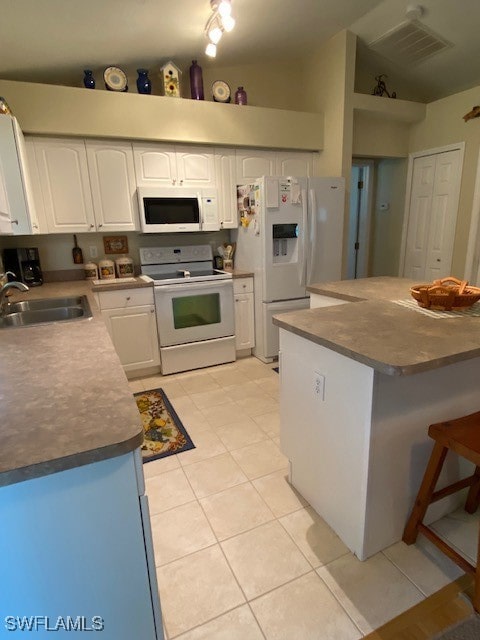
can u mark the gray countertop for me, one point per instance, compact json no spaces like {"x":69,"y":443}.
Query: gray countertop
{"x":65,"y":399}
{"x":383,"y":335}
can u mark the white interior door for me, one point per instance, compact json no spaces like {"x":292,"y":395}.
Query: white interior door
{"x":432,"y":215}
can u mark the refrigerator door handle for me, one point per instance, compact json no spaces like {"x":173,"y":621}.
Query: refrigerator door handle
{"x":303,"y":243}
{"x":313,"y":235}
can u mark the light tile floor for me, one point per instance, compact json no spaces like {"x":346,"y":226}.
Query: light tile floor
{"x":240,"y":554}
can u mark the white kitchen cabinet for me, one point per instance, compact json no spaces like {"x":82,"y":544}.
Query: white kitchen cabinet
{"x":226,"y":188}
{"x":86,"y":185}
{"x":294,"y":163}
{"x":129,"y":315}
{"x":112,"y":178}
{"x":244,"y":314}
{"x":17,"y":210}
{"x":196,"y":166}
{"x":155,"y":164}
{"x":174,"y":165}
{"x":65,"y":184}
{"x":253,"y":163}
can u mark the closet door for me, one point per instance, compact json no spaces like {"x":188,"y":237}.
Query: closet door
{"x":432,"y":215}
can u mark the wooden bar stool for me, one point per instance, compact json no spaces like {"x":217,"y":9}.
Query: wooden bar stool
{"x":463,"y":437}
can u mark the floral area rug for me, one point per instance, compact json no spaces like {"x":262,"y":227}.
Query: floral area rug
{"x":164,"y":433}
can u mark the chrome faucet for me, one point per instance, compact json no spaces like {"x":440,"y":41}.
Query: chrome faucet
{"x":3,"y":293}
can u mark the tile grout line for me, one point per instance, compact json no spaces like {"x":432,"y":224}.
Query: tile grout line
{"x":404,"y":574}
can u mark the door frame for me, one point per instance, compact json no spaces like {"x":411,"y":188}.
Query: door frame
{"x":365,"y":213}
{"x":472,"y":260}
{"x":459,"y":146}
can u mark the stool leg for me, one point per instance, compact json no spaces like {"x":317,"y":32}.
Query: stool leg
{"x":425,"y":492}
{"x":476,"y":593}
{"x":473,"y":493}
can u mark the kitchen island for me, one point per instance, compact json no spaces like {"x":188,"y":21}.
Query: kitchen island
{"x":75,"y":533}
{"x":362,"y":377}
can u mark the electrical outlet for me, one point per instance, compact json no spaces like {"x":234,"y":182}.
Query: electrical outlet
{"x":319,"y":385}
{"x":93,"y":252}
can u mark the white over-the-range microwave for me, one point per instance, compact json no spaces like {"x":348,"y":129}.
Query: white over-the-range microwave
{"x":177,"y":209}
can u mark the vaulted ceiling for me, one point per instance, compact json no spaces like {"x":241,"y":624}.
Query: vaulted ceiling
{"x":54,"y":40}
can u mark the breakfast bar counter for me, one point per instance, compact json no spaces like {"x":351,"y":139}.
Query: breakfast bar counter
{"x":362,"y":377}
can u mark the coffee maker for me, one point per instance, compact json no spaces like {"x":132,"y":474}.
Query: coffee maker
{"x":25,"y":264}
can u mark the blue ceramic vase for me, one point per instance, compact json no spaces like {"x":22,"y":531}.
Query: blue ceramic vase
{"x":88,"y":79}
{"x":144,"y":84}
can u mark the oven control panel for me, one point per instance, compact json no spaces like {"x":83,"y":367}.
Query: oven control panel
{"x":171,"y":255}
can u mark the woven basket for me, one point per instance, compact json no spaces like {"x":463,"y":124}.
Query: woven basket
{"x":445,"y":294}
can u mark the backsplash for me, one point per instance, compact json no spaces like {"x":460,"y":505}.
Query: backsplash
{"x":56,"y":249}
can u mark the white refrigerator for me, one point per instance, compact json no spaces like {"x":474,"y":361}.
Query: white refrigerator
{"x":290,"y":236}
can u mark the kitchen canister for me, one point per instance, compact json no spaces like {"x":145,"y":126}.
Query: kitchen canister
{"x":107,"y":269}
{"x":124,"y":266}
{"x":91,"y":271}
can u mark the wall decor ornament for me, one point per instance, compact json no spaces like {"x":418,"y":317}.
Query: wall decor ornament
{"x":474,"y":113}
{"x":144,"y":84}
{"x":115,"y":79}
{"x":380,"y":89}
{"x":115,"y":244}
{"x":171,"y":76}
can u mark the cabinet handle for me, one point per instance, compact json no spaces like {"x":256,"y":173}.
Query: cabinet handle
{"x":92,"y":226}
{"x":35,"y":226}
{"x":100,"y":225}
{"x":181,"y":182}
{"x":152,"y":310}
{"x":127,"y":298}
{"x":14,"y":221}
{"x":174,"y":181}
{"x":236,"y":300}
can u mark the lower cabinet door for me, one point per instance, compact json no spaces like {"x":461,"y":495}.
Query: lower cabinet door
{"x":134,"y":336}
{"x":244,"y":322}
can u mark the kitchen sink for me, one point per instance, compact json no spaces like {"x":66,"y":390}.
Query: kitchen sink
{"x":45,"y":310}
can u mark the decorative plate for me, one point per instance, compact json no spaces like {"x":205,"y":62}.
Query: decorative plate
{"x":115,"y":79}
{"x":221,"y":91}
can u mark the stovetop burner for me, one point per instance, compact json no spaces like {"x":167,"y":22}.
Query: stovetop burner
{"x":180,"y":265}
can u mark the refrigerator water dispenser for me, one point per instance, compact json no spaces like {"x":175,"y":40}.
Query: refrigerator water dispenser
{"x":285,"y":241}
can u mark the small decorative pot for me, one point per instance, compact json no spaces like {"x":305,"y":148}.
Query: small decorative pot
{"x":88,"y":79}
{"x":144,"y":84}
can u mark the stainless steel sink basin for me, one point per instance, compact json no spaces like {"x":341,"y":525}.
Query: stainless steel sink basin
{"x":45,"y":303}
{"x":45,"y":310}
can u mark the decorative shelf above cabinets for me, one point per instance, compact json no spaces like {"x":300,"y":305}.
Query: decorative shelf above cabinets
{"x":389,"y":109}
{"x":100,"y":114}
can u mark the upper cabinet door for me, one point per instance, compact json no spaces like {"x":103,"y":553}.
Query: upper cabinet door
{"x":112,"y":178}
{"x":253,"y":164}
{"x":226,"y":188}
{"x":155,"y":164}
{"x":196,"y":167}
{"x":294,"y":164}
{"x":63,"y":173}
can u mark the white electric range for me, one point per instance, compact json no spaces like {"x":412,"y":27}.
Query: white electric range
{"x":194,"y":307}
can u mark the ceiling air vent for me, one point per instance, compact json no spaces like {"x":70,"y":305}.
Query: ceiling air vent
{"x":409,"y":43}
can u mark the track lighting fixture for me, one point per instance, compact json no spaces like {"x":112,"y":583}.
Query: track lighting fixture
{"x":220,"y":21}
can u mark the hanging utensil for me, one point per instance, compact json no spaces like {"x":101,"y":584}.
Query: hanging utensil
{"x":77,"y":252}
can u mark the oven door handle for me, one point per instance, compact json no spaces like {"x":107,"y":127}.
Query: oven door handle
{"x":194,"y":286}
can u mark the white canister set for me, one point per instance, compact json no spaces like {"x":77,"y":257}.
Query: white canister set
{"x":109,"y":270}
